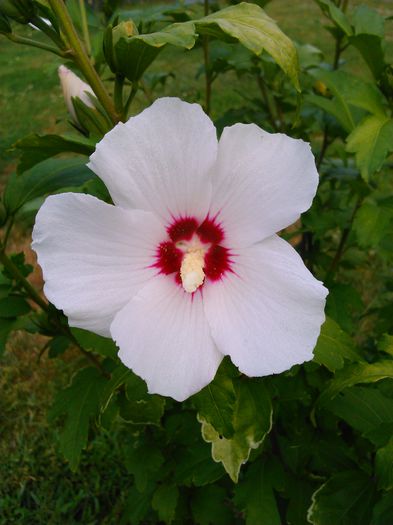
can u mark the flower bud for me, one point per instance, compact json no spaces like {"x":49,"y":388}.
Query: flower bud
{"x":74,"y":87}
{"x":112,"y":36}
{"x":21,"y":11}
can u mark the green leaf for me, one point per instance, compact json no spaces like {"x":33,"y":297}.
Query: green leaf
{"x":139,"y":407}
{"x":300,"y":497}
{"x":371,"y":141}
{"x":365,"y":409}
{"x":136,"y":507}
{"x":216,"y":402}
{"x":383,"y":510}
{"x":36,"y":148}
{"x":334,"y":346}
{"x":372,"y":51}
{"x":133,"y":55}
{"x":47,"y":177}
{"x":194,"y":466}
{"x":386,"y":344}
{"x":147,"y":411}
{"x":80,"y":403}
{"x":384,"y":466}
{"x":371,"y":223}
{"x":255,"y":495}
{"x":13,"y":306}
{"x":344,"y":303}
{"x":255,"y":30}
{"x":96,"y":343}
{"x":208,"y":506}
{"x":336,"y":15}
{"x":368,"y":21}
{"x":165,"y":501}
{"x":118,"y":377}
{"x":345,"y":499}
{"x":251,"y":422}
{"x":349,"y":91}
{"x":355,"y":374}
{"x":143,"y":460}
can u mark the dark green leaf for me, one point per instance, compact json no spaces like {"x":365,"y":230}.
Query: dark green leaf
{"x":216,"y":402}
{"x":136,"y":507}
{"x":383,"y":510}
{"x":334,"y":346}
{"x":345,"y":499}
{"x":256,"y":497}
{"x":13,"y":306}
{"x":371,"y":223}
{"x":96,"y":343}
{"x":36,"y":148}
{"x":195,"y":466}
{"x":370,"y":47}
{"x":80,"y":403}
{"x":47,"y":177}
{"x":208,"y":506}
{"x":365,"y":409}
{"x":143,"y":460}
{"x":355,"y":374}
{"x":384,"y":466}
{"x":165,"y":501}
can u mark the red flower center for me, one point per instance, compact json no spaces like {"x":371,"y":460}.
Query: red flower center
{"x":186,"y":233}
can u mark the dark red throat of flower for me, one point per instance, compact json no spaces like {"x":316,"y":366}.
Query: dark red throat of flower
{"x":193,"y":246}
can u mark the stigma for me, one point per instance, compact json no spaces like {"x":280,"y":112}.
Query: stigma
{"x":192,"y":269}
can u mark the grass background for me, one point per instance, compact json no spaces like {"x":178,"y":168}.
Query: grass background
{"x":36,"y":486}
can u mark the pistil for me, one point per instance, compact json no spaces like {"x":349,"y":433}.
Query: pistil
{"x":191,"y":269}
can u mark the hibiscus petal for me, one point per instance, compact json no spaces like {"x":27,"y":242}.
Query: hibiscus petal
{"x":266,"y":316}
{"x":160,"y":160}
{"x":262,"y":182}
{"x":94,"y":256}
{"x":163,"y":337}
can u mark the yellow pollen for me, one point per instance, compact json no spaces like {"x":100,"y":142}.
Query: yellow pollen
{"x":191,"y":269}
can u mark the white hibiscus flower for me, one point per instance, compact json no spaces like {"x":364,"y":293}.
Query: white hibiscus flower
{"x":186,"y":267}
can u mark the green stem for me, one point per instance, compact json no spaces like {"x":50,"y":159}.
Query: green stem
{"x":118,"y":95}
{"x":131,"y":97}
{"x":85,"y":26}
{"x":33,"y":43}
{"x":82,"y":59}
{"x":29,"y":288}
{"x":341,"y":246}
{"x":265,"y":96}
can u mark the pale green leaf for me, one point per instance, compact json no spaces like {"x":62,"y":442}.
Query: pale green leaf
{"x":255,"y":30}
{"x":371,"y":141}
{"x":251,"y":422}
